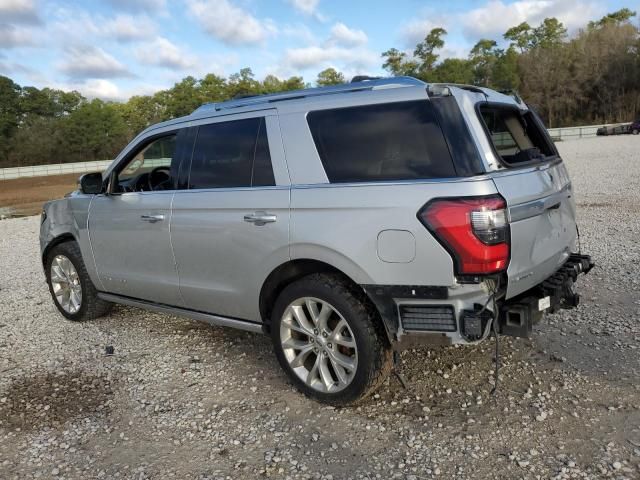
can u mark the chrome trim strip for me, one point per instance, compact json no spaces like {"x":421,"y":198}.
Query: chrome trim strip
{"x":211,"y":319}
{"x":536,"y":207}
{"x":477,"y":178}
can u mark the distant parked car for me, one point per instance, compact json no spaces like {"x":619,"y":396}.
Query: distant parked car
{"x":635,"y":127}
{"x":620,"y":129}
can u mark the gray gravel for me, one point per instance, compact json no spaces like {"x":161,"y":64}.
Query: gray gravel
{"x":184,"y":400}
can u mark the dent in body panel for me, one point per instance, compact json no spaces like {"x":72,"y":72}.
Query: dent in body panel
{"x":542,"y":222}
{"x":69,"y":216}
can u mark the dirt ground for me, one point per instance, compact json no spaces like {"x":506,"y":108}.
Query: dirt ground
{"x":184,"y":400}
{"x":25,"y":196}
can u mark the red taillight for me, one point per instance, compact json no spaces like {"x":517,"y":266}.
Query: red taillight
{"x":473,"y":230}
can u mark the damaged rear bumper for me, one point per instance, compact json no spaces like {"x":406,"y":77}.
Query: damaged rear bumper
{"x":518,"y":315}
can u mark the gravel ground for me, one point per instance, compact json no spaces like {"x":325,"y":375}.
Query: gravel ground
{"x":184,"y":400}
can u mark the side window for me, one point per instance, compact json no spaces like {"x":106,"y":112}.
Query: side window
{"x":231,"y":154}
{"x":151,"y":167}
{"x":393,"y":141}
{"x":516,"y":135}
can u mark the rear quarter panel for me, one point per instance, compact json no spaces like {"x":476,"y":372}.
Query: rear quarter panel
{"x":340,"y":224}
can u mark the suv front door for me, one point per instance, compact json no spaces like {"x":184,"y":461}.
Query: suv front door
{"x":129,"y":226}
{"x":230,"y":227}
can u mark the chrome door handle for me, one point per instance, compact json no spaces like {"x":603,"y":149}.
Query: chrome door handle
{"x":152,"y":218}
{"x":260,"y":218}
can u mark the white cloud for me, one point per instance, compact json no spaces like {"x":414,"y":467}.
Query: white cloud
{"x":128,"y":28}
{"x":300,"y":32}
{"x":161,"y":52}
{"x":91,"y":62}
{"x":139,"y":5}
{"x":75,"y":27}
{"x":415,"y":31}
{"x":320,"y":56}
{"x":19,"y":11}
{"x":343,"y":35}
{"x":344,"y":49}
{"x":496,"y":17}
{"x":99,"y":88}
{"x":12,"y":36}
{"x":308,"y":7}
{"x":108,"y":90}
{"x":228,"y":23}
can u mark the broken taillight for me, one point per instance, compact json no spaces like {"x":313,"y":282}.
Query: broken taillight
{"x":475,"y":231}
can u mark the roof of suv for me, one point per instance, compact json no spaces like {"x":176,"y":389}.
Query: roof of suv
{"x":258,"y":102}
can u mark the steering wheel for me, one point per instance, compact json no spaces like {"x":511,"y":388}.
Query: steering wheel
{"x":159,"y":178}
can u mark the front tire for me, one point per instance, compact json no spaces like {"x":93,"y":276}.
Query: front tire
{"x":328,"y":339}
{"x":72,"y":291}
{"x":635,"y":131}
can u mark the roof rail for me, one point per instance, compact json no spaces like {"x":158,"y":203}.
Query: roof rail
{"x":375,"y":84}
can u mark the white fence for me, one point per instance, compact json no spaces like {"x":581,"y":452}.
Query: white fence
{"x":58,"y":169}
{"x":565,"y":133}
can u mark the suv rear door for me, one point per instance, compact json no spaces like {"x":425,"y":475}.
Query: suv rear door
{"x":537,"y":188}
{"x":230,"y":223}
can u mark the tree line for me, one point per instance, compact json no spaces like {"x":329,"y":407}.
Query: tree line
{"x":593,"y":77}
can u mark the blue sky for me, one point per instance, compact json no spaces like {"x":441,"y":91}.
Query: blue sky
{"x":113,"y":49}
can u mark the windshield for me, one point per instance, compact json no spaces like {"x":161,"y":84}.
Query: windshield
{"x":516,"y":136}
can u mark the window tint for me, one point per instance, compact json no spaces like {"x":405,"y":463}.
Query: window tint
{"x":231,"y":154}
{"x":159,"y":153}
{"x":262,"y":174}
{"x":515,"y":135}
{"x":393,"y":141}
{"x":153,"y":167}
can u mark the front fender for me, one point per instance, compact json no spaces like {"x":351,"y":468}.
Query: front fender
{"x":67,"y":219}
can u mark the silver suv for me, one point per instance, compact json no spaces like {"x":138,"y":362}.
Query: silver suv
{"x":346,"y":222}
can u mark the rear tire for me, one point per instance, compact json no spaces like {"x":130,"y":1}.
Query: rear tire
{"x":329,"y":340}
{"x":635,"y":131}
{"x":72,"y":291}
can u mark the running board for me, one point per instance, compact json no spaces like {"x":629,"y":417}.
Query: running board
{"x":215,"y":320}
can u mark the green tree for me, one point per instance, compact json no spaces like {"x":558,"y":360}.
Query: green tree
{"x":34,"y":102}
{"x":37,"y":142}
{"x":272,"y":84}
{"x":550,"y":33}
{"x":425,"y":51}
{"x":520,"y":36}
{"x":330,"y":76}
{"x":243,"y":83}
{"x":397,"y":63}
{"x":182,"y":98}
{"x":213,"y":88}
{"x":484,"y":56}
{"x":624,"y":15}
{"x":505,"y":74}
{"x":95,"y":131}
{"x":9,"y":113}
{"x":139,"y":112}
{"x":453,"y":70}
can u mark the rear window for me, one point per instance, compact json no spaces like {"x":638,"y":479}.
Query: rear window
{"x":516,"y":136}
{"x":392,"y":141}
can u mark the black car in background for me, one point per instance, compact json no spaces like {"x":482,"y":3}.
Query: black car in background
{"x":620,"y":129}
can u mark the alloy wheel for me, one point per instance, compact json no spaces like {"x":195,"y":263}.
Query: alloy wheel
{"x":65,"y":283}
{"x":319,"y":344}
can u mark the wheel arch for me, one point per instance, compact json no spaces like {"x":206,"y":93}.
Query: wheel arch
{"x":62,"y":238}
{"x":293,"y":270}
